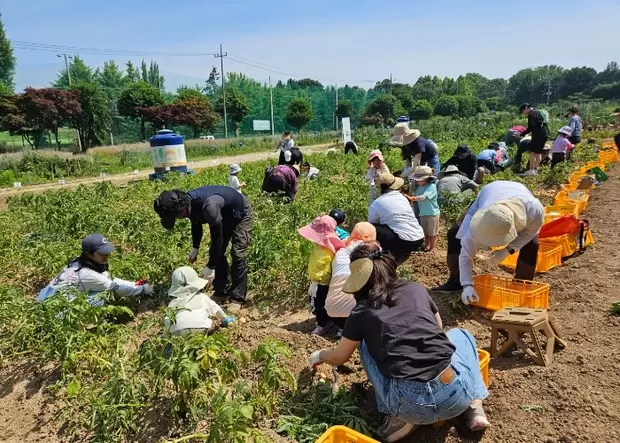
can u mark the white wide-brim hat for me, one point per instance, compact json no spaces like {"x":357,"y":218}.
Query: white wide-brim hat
{"x":499,"y":224}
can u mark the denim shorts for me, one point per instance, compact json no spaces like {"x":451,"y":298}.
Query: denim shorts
{"x":423,"y":403}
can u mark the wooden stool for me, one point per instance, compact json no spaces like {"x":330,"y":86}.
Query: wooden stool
{"x":519,"y":321}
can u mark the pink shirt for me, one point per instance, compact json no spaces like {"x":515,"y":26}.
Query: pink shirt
{"x":561,"y":145}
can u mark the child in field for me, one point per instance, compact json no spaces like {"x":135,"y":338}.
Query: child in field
{"x":339,"y":216}
{"x":321,"y":232}
{"x":425,"y":197}
{"x":376,"y":168}
{"x":233,"y":177}
{"x":561,"y":145}
{"x":309,"y":172}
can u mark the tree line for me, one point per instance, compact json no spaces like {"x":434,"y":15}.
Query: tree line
{"x":130,"y":103}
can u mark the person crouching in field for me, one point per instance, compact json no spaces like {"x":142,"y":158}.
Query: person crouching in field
{"x":89,"y":273}
{"x":194,"y":309}
{"x":321,"y":232}
{"x":561,"y":146}
{"x":281,"y":179}
{"x":425,"y":198}
{"x":414,"y":384}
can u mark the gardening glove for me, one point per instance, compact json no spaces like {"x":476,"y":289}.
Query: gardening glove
{"x":498,"y":256}
{"x":147,"y":289}
{"x":314,"y":286}
{"x":469,"y":295}
{"x":208,"y":274}
{"x":315,"y":359}
{"x":193,"y":255}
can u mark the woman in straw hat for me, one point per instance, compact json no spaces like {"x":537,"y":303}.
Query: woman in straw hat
{"x":414,"y":384}
{"x":398,"y":230}
{"x":416,"y":150}
{"x":505,"y":214}
{"x":453,"y":183}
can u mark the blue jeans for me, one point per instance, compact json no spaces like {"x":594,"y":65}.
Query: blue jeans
{"x":423,"y":403}
{"x":435,"y":164}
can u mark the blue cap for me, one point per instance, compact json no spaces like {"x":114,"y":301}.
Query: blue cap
{"x":97,"y":243}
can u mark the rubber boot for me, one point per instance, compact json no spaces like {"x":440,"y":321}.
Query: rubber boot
{"x":453,"y":283}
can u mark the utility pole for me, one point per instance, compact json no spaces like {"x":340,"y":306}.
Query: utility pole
{"x":273,"y":129}
{"x":336,"y":111}
{"x":548,"y":93}
{"x":77,"y":131}
{"x":390,"y":83}
{"x":221,"y":56}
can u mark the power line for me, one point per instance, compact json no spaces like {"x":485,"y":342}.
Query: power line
{"x":44,"y":47}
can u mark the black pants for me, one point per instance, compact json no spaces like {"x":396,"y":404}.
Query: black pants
{"x":322,"y":318}
{"x":400,"y":249}
{"x":350,"y":146}
{"x":487,"y":164}
{"x":557,"y":157}
{"x":526,"y":263}
{"x":240,"y":234}
{"x":522,"y":148}
{"x":281,"y":160}
{"x":297,"y":158}
{"x":617,"y":141}
{"x":574,"y":140}
{"x":274,"y":183}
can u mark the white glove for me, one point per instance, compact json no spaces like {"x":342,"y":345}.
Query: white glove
{"x":208,"y":274}
{"x":469,"y":295}
{"x":498,"y":256}
{"x":147,"y":289}
{"x":192,"y":256}
{"x":315,"y":359}
{"x":314,"y":286}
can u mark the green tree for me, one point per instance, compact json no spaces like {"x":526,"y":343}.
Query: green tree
{"x":344,"y":109}
{"x":211,"y":85}
{"x":446,"y":106}
{"x":299,"y":113}
{"x":7,"y":59}
{"x":495,"y":104}
{"x":80,"y":72}
{"x":131,"y":75}
{"x":237,"y":108}
{"x":195,"y":110}
{"x":387,"y":106}
{"x":421,"y":110}
{"x":139,"y":95}
{"x":94,"y":120}
{"x":111,"y":79}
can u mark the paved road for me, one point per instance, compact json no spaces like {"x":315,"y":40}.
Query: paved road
{"x":144,"y":174}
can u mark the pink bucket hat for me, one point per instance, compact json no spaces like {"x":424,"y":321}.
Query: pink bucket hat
{"x":375,"y":154}
{"x":322,"y":231}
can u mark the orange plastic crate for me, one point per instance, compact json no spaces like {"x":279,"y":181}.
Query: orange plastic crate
{"x":608,"y":155}
{"x":554,"y":212}
{"x":549,"y":257}
{"x":342,"y":434}
{"x":484,"y":357}
{"x":562,"y":198}
{"x":496,"y":292}
{"x":569,"y":242}
{"x":593,"y":164}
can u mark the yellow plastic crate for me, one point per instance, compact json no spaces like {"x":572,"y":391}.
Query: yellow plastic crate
{"x":484,"y":358}
{"x":342,"y":434}
{"x":569,"y":242}
{"x":581,"y":200}
{"x":496,"y":292}
{"x":593,"y":164}
{"x":554,"y":212}
{"x":549,"y":257}
{"x":608,"y":155}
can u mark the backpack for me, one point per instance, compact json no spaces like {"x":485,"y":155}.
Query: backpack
{"x":545,"y":116}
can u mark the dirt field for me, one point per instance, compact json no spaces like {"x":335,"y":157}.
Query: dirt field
{"x":574,"y":400}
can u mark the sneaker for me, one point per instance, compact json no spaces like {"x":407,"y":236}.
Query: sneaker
{"x":236,"y":299}
{"x":321,"y":330}
{"x":529,"y":173}
{"x":476,"y":419}
{"x":449,"y":286}
{"x":393,"y":429}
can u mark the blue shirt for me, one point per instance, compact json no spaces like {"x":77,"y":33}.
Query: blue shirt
{"x":576,"y":125}
{"x":342,"y":234}
{"x":428,"y":206}
{"x":488,"y":155}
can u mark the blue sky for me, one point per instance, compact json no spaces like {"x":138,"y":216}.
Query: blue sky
{"x":355,"y":42}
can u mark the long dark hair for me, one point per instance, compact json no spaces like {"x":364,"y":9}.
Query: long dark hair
{"x":380,"y":288}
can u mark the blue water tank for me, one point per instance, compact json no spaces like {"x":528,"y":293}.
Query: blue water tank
{"x":168,"y":152}
{"x":402,"y":119}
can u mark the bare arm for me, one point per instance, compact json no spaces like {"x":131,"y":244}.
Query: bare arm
{"x":341,"y":354}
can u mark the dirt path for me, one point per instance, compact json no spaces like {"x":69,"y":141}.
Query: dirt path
{"x":144,"y":174}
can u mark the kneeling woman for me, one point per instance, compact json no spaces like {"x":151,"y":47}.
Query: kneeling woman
{"x":421,"y":375}
{"x":281,"y":179}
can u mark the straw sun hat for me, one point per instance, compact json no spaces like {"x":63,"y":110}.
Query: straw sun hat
{"x":387,"y":179}
{"x":361,"y":270}
{"x":499,"y":224}
{"x":403,"y":135}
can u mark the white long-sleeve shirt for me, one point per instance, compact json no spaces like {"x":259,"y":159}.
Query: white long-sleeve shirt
{"x":491,"y":194}
{"x":194,"y":312}
{"x":91,"y":282}
{"x":393,"y":209}
{"x":285,"y":145}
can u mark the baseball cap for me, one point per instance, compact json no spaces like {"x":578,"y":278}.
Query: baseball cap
{"x":167,"y":207}
{"x":97,"y":243}
{"x":338,"y":215}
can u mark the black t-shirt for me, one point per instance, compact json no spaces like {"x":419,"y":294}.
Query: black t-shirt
{"x":423,"y":146}
{"x":404,"y":340}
